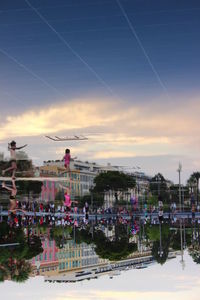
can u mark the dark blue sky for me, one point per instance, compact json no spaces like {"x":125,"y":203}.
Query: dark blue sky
{"x":105,"y":57}
{"x":128,"y":70}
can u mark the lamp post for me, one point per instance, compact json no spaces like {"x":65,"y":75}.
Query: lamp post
{"x":92,"y":197}
{"x":181,"y":227}
{"x":37,"y":264}
{"x":182,"y":247}
{"x":179,"y":180}
{"x":158,"y":179}
{"x":160,"y":252}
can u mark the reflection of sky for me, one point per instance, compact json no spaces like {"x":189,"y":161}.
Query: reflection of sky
{"x":77,"y":66}
{"x":156,"y":282}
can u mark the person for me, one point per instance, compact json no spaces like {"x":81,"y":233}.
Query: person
{"x":67,"y":158}
{"x":160,"y":215}
{"x":86,"y":207}
{"x":160,"y":204}
{"x":12,"y":147}
{"x":13,"y":193}
{"x":67,"y":202}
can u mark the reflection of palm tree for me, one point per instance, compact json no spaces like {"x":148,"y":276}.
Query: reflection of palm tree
{"x":3,"y":273}
{"x":22,"y":270}
{"x":13,"y":264}
{"x":195,"y":254}
{"x":18,"y":269}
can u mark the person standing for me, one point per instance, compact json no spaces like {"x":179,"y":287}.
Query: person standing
{"x":13,"y":193}
{"x":13,"y":159}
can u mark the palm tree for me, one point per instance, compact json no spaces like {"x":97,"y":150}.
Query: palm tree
{"x":194,"y":178}
{"x":21,"y":271}
{"x":3,"y":273}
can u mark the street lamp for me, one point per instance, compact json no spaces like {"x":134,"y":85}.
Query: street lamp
{"x":158,"y":180}
{"x":160,"y":251}
{"x":92,"y":196}
{"x":179,"y":177}
{"x":37,"y":264}
{"x":181,"y":227}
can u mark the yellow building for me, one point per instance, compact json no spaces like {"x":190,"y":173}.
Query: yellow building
{"x":56,"y":177}
{"x":69,"y":257}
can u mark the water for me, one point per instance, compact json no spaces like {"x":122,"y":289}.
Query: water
{"x":54,"y":252}
{"x":96,"y":259}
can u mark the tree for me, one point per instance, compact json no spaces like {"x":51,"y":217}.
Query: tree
{"x":23,"y":165}
{"x":113,"y":250}
{"x":34,"y":247}
{"x":13,"y":262}
{"x":159,"y":188}
{"x":114,"y":181}
{"x":21,"y":271}
{"x":160,"y":258}
{"x":175,"y":241}
{"x":194,"y":180}
{"x":94,"y":198}
{"x":60,"y":235}
{"x":29,"y":187}
{"x":153,"y":232}
{"x":59,"y":197}
{"x":195,"y":254}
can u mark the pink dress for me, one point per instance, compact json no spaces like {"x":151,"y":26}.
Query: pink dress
{"x":67,"y":158}
{"x":67,"y":202}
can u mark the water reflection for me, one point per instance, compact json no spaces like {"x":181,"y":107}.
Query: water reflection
{"x":70,"y":247}
{"x":49,"y":230}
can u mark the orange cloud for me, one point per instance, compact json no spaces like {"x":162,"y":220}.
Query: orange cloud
{"x":127,"y":129}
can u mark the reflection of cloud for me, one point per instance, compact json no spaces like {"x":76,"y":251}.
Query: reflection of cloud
{"x":117,"y":295}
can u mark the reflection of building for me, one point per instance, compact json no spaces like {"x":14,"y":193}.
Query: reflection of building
{"x":51,"y":187}
{"x":73,"y":256}
{"x":69,"y":257}
{"x":55,"y":261}
{"x":110,"y":269}
{"x":137,"y":261}
{"x":46,"y":262}
{"x":49,"y":190}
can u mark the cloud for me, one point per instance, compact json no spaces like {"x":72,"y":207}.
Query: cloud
{"x":64,"y":116}
{"x":113,"y":154}
{"x":158,"y":123}
{"x":126,"y":129}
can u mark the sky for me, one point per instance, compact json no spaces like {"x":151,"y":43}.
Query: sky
{"x":156,"y":282}
{"x":125,"y":73}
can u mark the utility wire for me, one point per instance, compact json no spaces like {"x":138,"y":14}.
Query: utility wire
{"x":30,"y":72}
{"x":142,"y":47}
{"x":101,"y":80}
